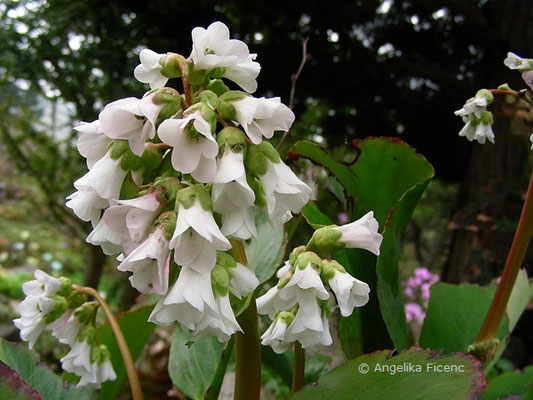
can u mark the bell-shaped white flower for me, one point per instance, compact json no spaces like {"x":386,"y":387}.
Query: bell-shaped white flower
{"x":92,"y":143}
{"x":66,"y":328}
{"x":283,"y":270}
{"x":478,"y":129}
{"x":131,"y":119}
{"x":191,"y":155}
{"x":220,"y":323}
{"x":265,"y":303}
{"x":87,"y":205}
{"x":149,"y":263}
{"x":262,"y":117}
{"x":362,"y":234}
{"x":274,"y":336}
{"x":197,"y":238}
{"x":36,"y":306}
{"x":32,"y":312}
{"x":125,"y":224}
{"x":213,"y":48}
{"x":233,"y":197}
{"x":243,"y":281}
{"x":531,"y":140}
{"x":308,"y":326}
{"x":187,"y":301}
{"x":105,"y":178}
{"x":284,"y":193}
{"x":349,"y":292}
{"x":512,"y":61}
{"x":244,"y":74}
{"x":149,"y":70}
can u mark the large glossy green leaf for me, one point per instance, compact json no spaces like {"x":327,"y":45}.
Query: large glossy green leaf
{"x":137,"y":331}
{"x":13,"y":387}
{"x":412,"y":374}
{"x":455,"y":314}
{"x":388,"y":177}
{"x":508,"y":384}
{"x":39,"y":377}
{"x":265,"y":253}
{"x":197,"y":369}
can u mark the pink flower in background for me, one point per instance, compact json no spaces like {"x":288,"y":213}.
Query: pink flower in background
{"x":417,"y":291}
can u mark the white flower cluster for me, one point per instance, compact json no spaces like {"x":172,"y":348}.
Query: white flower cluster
{"x":51,"y":303}
{"x":174,"y":177}
{"x":478,"y":121}
{"x":300,"y":304}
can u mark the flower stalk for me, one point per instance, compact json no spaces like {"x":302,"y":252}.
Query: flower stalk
{"x":299,"y":368}
{"x":135,"y":386}
{"x":247,"y":343}
{"x":515,"y":258}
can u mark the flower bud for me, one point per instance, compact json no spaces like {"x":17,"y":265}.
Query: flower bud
{"x":326,"y":239}
{"x":208,"y":97}
{"x":171,"y":65}
{"x":295,"y":253}
{"x":258,"y":156}
{"x":171,"y":100}
{"x":220,"y":281}
{"x":168,"y":188}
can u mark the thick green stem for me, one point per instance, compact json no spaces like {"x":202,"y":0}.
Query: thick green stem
{"x":515,"y":258}
{"x":247,"y":344}
{"x":299,"y":368}
{"x":135,"y":386}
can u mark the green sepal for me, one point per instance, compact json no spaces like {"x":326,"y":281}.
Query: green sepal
{"x":286,"y":317}
{"x":168,"y":188}
{"x":295,"y":253}
{"x":86,"y":334}
{"x":259,"y":155}
{"x":308,"y":258}
{"x":166,"y":169}
{"x":171,"y":65}
{"x":86,"y":313}
{"x":60,"y":306}
{"x":118,"y":148}
{"x":226,"y":261}
{"x":217,"y":86}
{"x":225,"y":106}
{"x":167,"y":222}
{"x":257,"y":187}
{"x":208,"y":97}
{"x":232,"y":138}
{"x":486,"y":118}
{"x":326,"y":239}
{"x":189,"y":195}
{"x":76,"y":299}
{"x":484,"y":93}
{"x":131,"y":161}
{"x":193,"y":75}
{"x":65,"y":288}
{"x":218,"y":72}
{"x":151,"y":159}
{"x":128,"y":190}
{"x":220,"y":281}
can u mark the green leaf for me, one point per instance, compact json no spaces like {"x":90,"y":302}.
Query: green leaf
{"x":376,"y":376}
{"x":13,"y":387}
{"x":197,"y":370}
{"x":508,"y":384}
{"x":455,"y":314}
{"x":265,"y":253}
{"x":388,"y":177}
{"x":137,"y":331}
{"x":45,"y":382}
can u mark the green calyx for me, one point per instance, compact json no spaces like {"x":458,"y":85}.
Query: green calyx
{"x":226,"y":261}
{"x":258,"y":156}
{"x":208,"y":97}
{"x":99,"y":354}
{"x":166,"y":169}
{"x":60,"y":306}
{"x":171,"y":65}
{"x":225,"y":108}
{"x":485,"y":94}
{"x":151,"y":159}
{"x":284,"y":280}
{"x":205,"y":111}
{"x":167,"y":188}
{"x":167,"y":222}
{"x":86,"y":334}
{"x":118,"y":148}
{"x":285,"y":317}
{"x":217,"y":86}
{"x":309,"y":258}
{"x":194,"y":75}
{"x":295,"y":253}
{"x":131,"y":162}
{"x":86,"y":313}
{"x":128,"y":190}
{"x":326,"y":239}
{"x":65,"y":288}
{"x":188,"y":196}
{"x":257,"y":187}
{"x":231,"y":138}
{"x":220,"y":281}
{"x":486,"y":118}
{"x":329,"y":269}
{"x":171,"y":100}
{"x":76,"y":299}
{"x":218,"y":72}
